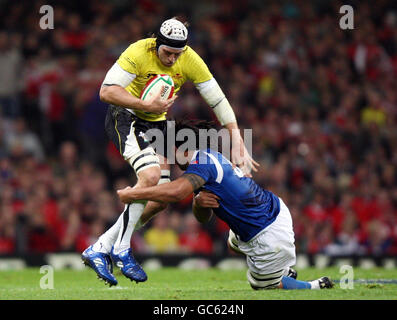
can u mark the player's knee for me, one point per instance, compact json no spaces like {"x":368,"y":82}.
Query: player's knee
{"x":153,"y":176}
{"x":149,"y":177}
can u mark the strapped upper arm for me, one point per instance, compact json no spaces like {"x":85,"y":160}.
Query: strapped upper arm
{"x":118,"y":76}
{"x":216,"y":99}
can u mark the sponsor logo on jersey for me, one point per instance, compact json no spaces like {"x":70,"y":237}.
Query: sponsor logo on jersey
{"x":151,"y":74}
{"x":177,"y":76}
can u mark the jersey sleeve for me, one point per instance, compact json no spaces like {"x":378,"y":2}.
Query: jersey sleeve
{"x":195,"y":68}
{"x":128,"y":59}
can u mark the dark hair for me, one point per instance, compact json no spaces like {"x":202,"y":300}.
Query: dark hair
{"x":182,"y":19}
{"x":195,"y":126}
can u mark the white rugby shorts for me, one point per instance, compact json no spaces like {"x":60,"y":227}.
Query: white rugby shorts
{"x":271,"y":252}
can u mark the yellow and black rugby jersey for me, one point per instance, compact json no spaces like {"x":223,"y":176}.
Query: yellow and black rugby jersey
{"x":140,"y":58}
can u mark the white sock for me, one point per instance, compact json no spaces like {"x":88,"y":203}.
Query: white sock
{"x":165,"y":178}
{"x":106,"y":241}
{"x":129,"y":220}
{"x":315,"y":284}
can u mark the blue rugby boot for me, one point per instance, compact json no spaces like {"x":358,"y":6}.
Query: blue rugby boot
{"x":128,"y":265}
{"x":101,"y":264}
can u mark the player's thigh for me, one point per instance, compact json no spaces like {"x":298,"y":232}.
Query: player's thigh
{"x":119,"y":123}
{"x":271,"y":253}
{"x":127,"y":132}
{"x":280,"y":237}
{"x":268,"y":262}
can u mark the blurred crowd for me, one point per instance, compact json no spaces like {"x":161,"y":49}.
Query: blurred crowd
{"x":321,"y":101}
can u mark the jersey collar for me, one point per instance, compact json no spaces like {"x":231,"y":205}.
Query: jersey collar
{"x":194,"y":155}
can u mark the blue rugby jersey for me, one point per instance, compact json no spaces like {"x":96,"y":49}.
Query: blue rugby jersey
{"x":246,"y":207}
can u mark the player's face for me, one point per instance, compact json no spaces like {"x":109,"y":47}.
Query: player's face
{"x":168,"y":56}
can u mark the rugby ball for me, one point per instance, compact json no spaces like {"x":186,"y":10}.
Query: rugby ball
{"x":162,"y":83}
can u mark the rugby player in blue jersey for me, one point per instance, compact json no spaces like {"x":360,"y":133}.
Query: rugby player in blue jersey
{"x":260,"y":222}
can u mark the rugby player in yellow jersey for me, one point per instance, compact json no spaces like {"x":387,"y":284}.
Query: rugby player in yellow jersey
{"x":128,"y":119}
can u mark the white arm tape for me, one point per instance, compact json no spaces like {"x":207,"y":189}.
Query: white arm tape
{"x":214,"y":96}
{"x":118,"y":76}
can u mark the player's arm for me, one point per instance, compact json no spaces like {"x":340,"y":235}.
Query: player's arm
{"x":203,"y":204}
{"x":239,"y":153}
{"x":117,"y":95}
{"x":197,"y":71}
{"x":113,"y":92}
{"x":216,"y":99}
{"x":174,"y":191}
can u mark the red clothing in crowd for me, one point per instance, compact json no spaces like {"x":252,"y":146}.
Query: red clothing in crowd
{"x":198,"y":242}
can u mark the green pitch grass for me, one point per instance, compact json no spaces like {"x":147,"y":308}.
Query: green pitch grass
{"x":177,"y":284}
